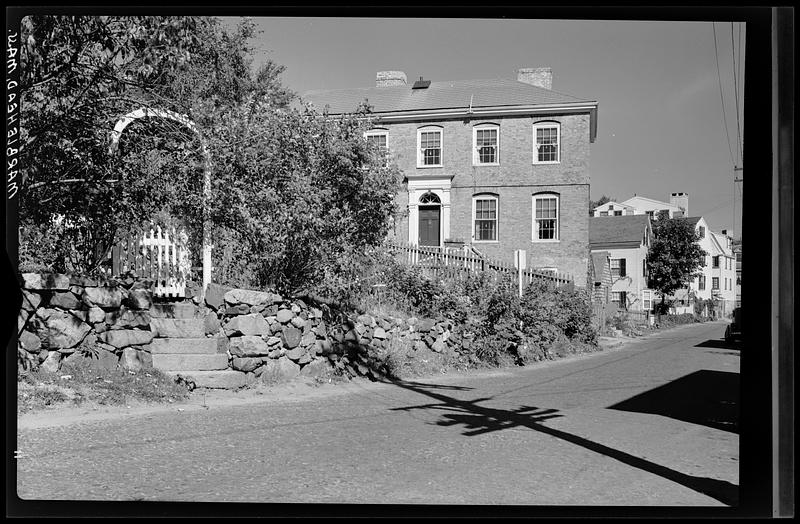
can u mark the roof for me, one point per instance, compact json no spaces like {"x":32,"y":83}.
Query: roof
{"x":692,"y":220}
{"x":440,"y":95}
{"x":624,"y":231}
{"x":663,"y":204}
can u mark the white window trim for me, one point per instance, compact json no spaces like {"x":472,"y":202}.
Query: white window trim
{"x":533,"y":218}
{"x":486,"y":196}
{"x":541,"y":125}
{"x":420,"y":159}
{"x":380,"y":132}
{"x":475,"y":155}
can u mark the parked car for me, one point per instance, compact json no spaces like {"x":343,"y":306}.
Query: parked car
{"x":734,"y":329}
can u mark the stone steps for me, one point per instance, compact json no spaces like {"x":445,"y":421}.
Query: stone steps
{"x":182,"y":349}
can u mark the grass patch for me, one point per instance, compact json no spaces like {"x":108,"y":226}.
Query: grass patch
{"x":79,"y":383}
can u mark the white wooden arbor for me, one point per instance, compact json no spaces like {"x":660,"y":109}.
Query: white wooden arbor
{"x":146,"y":112}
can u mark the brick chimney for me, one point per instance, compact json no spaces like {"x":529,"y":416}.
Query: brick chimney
{"x":390,"y":79}
{"x":681,"y":200}
{"x":536,"y":76}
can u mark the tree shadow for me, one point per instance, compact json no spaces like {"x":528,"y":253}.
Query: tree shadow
{"x":478,"y":420}
{"x":720,"y":344}
{"x":706,"y":397}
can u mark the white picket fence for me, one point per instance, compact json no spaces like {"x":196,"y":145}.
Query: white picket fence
{"x":161,"y":256}
{"x":439,"y":262}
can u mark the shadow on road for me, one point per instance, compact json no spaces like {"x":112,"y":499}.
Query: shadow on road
{"x":720,"y":344}
{"x":478,"y":420}
{"x":706,"y":397}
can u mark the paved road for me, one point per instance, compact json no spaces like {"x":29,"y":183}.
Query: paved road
{"x":653,"y":423}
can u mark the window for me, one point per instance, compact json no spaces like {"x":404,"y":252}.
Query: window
{"x":644,"y":268}
{"x":617,"y":267}
{"x":545,"y":218}
{"x":617,"y":213}
{"x":714,"y":282}
{"x":546,"y":143}
{"x":715,"y":262}
{"x":380,"y":139}
{"x":486,"y":139}
{"x":647,"y":299}
{"x":620,"y":298}
{"x":650,"y":213}
{"x":702,"y":232}
{"x":484,"y":215}
{"x":429,"y":140}
{"x":603,"y":213}
{"x":701,"y":282}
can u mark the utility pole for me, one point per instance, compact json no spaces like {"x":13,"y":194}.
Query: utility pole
{"x":737,"y":177}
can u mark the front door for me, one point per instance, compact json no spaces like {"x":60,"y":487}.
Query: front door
{"x":429,"y":225}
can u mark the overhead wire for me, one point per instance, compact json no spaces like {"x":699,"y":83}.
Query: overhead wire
{"x":736,"y":95}
{"x":721,"y":99}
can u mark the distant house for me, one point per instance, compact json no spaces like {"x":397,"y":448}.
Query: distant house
{"x":736,"y":247}
{"x":499,"y":165}
{"x":717,"y":280}
{"x":678,"y":206}
{"x":626,"y":239}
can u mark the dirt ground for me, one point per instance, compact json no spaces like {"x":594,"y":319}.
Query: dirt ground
{"x":299,"y":390}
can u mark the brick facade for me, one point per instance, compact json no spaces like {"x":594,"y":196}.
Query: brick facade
{"x":514,"y":181}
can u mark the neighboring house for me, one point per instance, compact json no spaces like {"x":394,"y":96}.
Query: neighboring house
{"x":626,"y":239}
{"x":600,"y":277}
{"x":736,"y":247}
{"x":718,"y":274}
{"x":612,"y":209}
{"x":500,"y":164}
{"x":678,"y":206}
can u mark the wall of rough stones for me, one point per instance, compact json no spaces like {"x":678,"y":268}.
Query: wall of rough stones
{"x":266,"y":337}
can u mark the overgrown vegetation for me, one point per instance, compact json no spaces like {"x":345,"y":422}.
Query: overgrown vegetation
{"x":84,"y":382}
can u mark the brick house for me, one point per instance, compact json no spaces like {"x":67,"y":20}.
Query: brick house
{"x":626,"y":239}
{"x":498,"y":165}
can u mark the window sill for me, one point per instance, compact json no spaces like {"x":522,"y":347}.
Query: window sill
{"x":485,"y":241}
{"x":430,"y":166}
{"x":556,"y":241}
{"x":479,"y":164}
{"x":546,"y":163}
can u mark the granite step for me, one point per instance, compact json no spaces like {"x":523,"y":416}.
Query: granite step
{"x":214,"y":379}
{"x":183,"y":346}
{"x":190,"y":362}
{"x":178,"y":327}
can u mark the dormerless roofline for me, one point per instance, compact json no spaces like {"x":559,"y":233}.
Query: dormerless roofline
{"x":463,"y":112}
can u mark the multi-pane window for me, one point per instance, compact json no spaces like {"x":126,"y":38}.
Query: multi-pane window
{"x":715,"y":262}
{"x":714,"y":282}
{"x":702,"y":231}
{"x":380,"y":139}
{"x":486,"y":145}
{"x":617,"y":213}
{"x":546,"y":143}
{"x":603,"y":213}
{"x":650,"y":213}
{"x":545,"y":217}
{"x":430,"y":147}
{"x":485,"y":212}
{"x":618,"y":267}
{"x":701,"y":282}
{"x":620,"y":297}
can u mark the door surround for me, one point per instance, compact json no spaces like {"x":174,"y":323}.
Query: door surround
{"x":418,"y":186}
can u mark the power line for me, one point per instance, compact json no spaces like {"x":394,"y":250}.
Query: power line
{"x":721,"y":99}
{"x":736,"y":93}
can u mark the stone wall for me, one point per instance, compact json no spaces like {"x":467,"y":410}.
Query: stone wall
{"x":265,"y":336}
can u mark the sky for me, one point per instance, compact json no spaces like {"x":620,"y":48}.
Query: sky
{"x":661,"y":127}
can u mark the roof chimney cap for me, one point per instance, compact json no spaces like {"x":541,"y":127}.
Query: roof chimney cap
{"x":536,"y":76}
{"x":390,"y":79}
{"x":421,"y":84}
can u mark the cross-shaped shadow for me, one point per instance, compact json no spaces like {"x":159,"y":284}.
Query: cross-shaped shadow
{"x":478,"y":420}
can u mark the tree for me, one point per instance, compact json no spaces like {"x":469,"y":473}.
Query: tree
{"x":674,"y":256}
{"x":603,"y":200}
{"x":82,"y":73}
